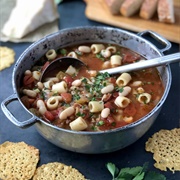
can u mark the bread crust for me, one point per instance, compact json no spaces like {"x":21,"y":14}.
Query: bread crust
{"x":130,"y":7}
{"x":166,"y":11}
{"x":148,"y":9}
{"x":114,"y":5}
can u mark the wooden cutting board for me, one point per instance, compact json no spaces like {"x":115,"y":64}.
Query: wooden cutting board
{"x":97,"y":10}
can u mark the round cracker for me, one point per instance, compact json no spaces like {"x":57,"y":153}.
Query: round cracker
{"x":6,"y":57}
{"x":18,"y":160}
{"x":57,"y":171}
{"x":165,"y":145}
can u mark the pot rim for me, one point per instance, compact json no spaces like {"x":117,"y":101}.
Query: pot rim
{"x":129,"y":126}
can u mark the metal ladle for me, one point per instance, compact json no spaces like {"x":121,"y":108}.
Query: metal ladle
{"x":64,"y":62}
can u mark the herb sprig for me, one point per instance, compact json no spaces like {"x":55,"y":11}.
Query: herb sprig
{"x":134,"y":173}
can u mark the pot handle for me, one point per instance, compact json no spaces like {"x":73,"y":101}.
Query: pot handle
{"x":159,"y":38}
{"x":11,"y":117}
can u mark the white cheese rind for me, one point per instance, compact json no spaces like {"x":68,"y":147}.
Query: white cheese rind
{"x":28,"y":16}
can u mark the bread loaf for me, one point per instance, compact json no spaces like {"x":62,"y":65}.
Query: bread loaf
{"x":114,"y":6}
{"x":148,"y":9}
{"x":166,"y":11}
{"x":130,"y":7}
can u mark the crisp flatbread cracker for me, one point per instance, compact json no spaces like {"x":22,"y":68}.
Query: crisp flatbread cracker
{"x":57,"y":171}
{"x":17,"y":160}
{"x":165,"y":145}
{"x":7,"y":57}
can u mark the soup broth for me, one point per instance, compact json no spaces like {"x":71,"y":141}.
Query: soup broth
{"x":85,"y":100}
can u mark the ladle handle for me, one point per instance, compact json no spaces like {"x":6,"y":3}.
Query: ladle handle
{"x":172,"y":58}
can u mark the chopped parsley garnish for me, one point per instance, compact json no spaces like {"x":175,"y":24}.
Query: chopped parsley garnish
{"x":99,"y":56}
{"x":100,"y":123}
{"x":42,"y":95}
{"x":119,"y":89}
{"x":63,"y":52}
{"x":100,"y":81}
{"x":80,"y":114}
{"x":84,"y":80}
{"x":76,"y":97}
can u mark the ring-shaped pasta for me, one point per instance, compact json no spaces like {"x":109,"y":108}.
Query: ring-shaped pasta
{"x":78,"y":124}
{"x":52,"y":103}
{"x":96,"y":106}
{"x":60,"y":87}
{"x":115,"y":60}
{"x":128,"y":119}
{"x":96,"y":48}
{"x":111,"y":49}
{"x":122,"y":101}
{"x":51,"y":54}
{"x":123,"y":79}
{"x":48,"y":84}
{"x":72,"y":54}
{"x":144,"y":98}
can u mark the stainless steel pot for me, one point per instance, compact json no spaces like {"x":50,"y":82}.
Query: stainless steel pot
{"x":89,"y":142}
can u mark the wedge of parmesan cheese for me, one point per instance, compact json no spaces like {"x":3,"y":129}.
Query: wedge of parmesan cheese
{"x":29,"y":15}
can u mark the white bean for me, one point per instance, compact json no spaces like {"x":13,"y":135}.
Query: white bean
{"x":84,"y":49}
{"x":105,"y":53}
{"x":92,"y":73}
{"x":106,"y":65}
{"x":76,"y":82}
{"x":107,"y":89}
{"x":126,"y":91}
{"x":41,"y":106}
{"x":36,"y":75}
{"x":66,"y":113}
{"x":136,"y":83}
{"x":40,"y":85}
{"x":30,"y":93}
{"x":105,"y":113}
{"x":28,"y":72}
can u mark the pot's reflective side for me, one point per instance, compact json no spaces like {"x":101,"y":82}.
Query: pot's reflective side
{"x":95,"y":143}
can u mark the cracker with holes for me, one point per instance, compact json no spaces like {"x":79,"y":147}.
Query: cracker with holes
{"x":165,"y":145}
{"x":57,"y":171}
{"x":7,"y":56}
{"x":18,"y":160}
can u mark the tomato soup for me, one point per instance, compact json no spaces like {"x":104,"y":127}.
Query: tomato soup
{"x":82,"y":99}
